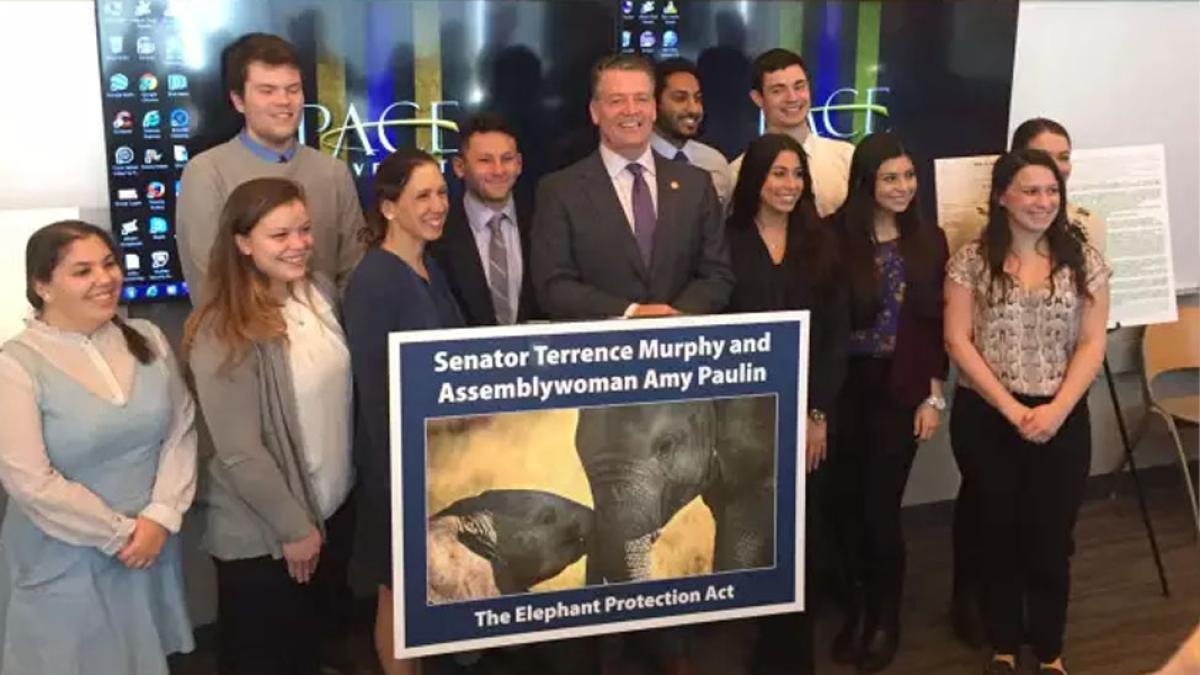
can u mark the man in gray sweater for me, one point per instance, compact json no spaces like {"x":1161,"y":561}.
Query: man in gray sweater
{"x":262,"y":74}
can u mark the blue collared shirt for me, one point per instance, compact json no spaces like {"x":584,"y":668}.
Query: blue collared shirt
{"x":266,"y":154}
{"x":478,"y":217}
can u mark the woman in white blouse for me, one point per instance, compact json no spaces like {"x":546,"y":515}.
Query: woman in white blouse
{"x":1026,"y":307}
{"x":98,"y":457}
{"x":272,"y":374}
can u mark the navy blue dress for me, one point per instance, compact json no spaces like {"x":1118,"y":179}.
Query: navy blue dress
{"x":384,"y":295}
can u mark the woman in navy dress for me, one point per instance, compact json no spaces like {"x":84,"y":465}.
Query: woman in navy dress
{"x":396,"y":287}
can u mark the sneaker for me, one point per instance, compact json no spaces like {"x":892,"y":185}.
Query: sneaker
{"x":997,"y":667}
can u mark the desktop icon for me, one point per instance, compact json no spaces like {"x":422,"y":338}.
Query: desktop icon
{"x":151,"y":120}
{"x":648,"y":7}
{"x":132,"y":262}
{"x":627,"y":6}
{"x":118,"y":82}
{"x":131,"y":293}
{"x":176,"y":82}
{"x":147,"y":82}
{"x":155,"y":190}
{"x":647,"y":40}
{"x":127,"y":195}
{"x":159,"y":259}
{"x":181,"y":154}
{"x":669,"y":9}
{"x":172,"y":290}
{"x":152,"y":291}
{"x":123,"y":120}
{"x":129,"y":227}
{"x":116,"y":44}
{"x":178,"y":187}
{"x":123,"y":155}
{"x":146,"y":46}
{"x":142,"y":8}
{"x":114,"y":7}
{"x":180,"y":118}
{"x":153,"y":156}
{"x":670,"y":39}
{"x":626,"y":39}
{"x":157,"y":225}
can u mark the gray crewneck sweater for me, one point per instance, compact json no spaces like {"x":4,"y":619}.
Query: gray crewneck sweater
{"x":329,"y":191}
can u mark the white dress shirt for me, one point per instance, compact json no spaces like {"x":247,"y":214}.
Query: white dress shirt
{"x":321,"y":381}
{"x":102,"y":364}
{"x":478,"y":217}
{"x":703,"y":156}
{"x":622,"y":178}
{"x":829,"y":164}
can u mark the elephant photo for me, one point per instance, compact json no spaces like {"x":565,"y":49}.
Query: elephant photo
{"x":503,"y":541}
{"x":645,"y":462}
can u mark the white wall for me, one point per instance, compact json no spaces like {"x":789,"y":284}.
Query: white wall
{"x":1121,"y":73}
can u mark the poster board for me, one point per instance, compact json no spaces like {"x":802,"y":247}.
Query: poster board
{"x":511,"y":445}
{"x":1126,"y":187}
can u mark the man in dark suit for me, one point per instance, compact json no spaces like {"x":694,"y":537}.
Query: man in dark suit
{"x":484,"y":248}
{"x":624,"y":232}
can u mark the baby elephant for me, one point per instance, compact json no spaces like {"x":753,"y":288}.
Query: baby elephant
{"x":503,"y":541}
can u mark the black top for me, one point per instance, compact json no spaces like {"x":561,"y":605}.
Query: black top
{"x":384,"y":295}
{"x":763,"y":286}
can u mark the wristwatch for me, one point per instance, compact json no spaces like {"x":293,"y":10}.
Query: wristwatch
{"x":816,"y":415}
{"x":936,"y":402}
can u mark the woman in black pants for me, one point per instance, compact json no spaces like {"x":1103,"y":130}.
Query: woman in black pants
{"x":1026,"y":308}
{"x":785,"y":258}
{"x":893,"y":392}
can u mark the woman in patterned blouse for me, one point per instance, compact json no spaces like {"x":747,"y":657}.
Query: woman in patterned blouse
{"x":1026,"y":308}
{"x":893,"y":388}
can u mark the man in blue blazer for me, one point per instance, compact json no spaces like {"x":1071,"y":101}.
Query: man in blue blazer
{"x":625,"y":232}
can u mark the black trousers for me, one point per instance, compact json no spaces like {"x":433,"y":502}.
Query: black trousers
{"x":1029,"y":496}
{"x":267,"y":624}
{"x":871,"y":464}
{"x":785,"y":641}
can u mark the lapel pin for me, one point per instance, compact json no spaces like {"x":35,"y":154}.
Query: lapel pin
{"x":674,"y":185}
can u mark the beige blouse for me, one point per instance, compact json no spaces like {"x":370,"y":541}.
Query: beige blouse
{"x":1028,"y":337}
{"x":101,"y":363}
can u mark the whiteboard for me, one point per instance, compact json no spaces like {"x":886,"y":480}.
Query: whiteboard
{"x":1121,"y":73}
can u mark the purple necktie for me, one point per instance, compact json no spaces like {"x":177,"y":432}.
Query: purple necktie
{"x":644,"y":219}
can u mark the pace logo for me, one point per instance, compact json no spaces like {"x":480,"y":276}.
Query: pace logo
{"x":373,"y":138}
{"x":846,"y":100}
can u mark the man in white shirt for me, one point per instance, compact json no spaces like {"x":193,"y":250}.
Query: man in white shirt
{"x":782,"y":90}
{"x":680,"y":112}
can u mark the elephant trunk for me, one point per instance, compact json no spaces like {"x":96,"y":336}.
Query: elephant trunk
{"x":625,"y":534}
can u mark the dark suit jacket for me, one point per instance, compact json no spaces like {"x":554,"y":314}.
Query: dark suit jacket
{"x":586,"y":262}
{"x":458,"y":257}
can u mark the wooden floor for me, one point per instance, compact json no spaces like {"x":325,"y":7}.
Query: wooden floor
{"x":1119,"y":622}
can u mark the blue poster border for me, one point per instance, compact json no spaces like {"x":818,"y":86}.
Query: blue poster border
{"x":422,"y":629}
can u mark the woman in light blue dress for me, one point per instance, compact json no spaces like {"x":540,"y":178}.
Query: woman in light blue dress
{"x":97,"y":455}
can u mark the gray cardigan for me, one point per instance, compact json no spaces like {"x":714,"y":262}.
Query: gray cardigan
{"x":255,"y":489}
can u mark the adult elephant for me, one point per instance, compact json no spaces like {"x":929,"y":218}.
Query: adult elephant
{"x":645,"y":462}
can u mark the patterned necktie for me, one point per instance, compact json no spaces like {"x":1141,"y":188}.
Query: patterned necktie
{"x":644,"y":219}
{"x":498,"y":272}
{"x":681,"y":156}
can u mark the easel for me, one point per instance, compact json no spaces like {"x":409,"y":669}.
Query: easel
{"x":1137,"y":483}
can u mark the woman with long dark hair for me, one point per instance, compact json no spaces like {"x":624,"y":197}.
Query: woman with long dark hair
{"x":396,"y":287}
{"x":1038,"y":133}
{"x":785,"y":258}
{"x":1026,"y":309}
{"x":98,"y":458}
{"x":892,"y":397}
{"x":272,"y":371}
